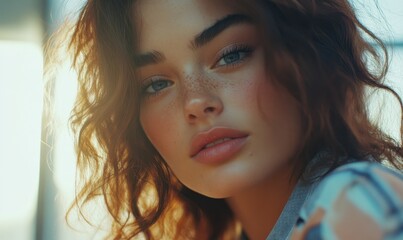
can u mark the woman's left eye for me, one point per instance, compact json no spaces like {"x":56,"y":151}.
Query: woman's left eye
{"x":233,"y":56}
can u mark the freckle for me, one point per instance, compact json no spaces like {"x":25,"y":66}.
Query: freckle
{"x":206,"y":82}
{"x":210,"y":83}
{"x":171,"y":105}
{"x":196,"y":83}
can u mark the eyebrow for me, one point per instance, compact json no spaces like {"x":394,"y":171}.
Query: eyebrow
{"x":211,"y":32}
{"x":200,"y":40}
{"x":154,"y":57}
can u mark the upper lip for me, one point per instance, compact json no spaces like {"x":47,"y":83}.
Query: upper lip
{"x":200,"y":140}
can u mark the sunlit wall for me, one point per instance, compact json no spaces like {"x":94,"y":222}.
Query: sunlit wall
{"x":21,"y":94}
{"x":20,"y":128}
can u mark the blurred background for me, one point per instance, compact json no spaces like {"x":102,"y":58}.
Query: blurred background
{"x":37,"y":169}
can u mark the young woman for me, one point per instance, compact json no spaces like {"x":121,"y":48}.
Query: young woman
{"x":246,"y":119}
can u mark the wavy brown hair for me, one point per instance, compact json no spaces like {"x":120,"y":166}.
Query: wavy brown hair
{"x":315,"y":49}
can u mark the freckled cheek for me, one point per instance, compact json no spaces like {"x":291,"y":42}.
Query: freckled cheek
{"x":161,"y":128}
{"x":268,"y":105}
{"x":261,"y":92}
{"x":248,"y":89}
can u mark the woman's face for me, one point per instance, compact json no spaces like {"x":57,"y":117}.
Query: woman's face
{"x":208,"y":106}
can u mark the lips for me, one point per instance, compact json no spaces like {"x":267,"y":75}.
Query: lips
{"x":217,"y":144}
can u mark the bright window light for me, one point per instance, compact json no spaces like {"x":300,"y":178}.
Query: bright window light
{"x":64,"y":163}
{"x":21,"y":94}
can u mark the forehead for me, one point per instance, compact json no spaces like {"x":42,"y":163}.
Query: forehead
{"x":156,"y":20}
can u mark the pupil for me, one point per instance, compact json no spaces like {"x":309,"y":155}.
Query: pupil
{"x":159,"y":85}
{"x":231,"y":57}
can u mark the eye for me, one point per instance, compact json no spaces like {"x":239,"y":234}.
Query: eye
{"x":157,"y":85}
{"x":233,"y":55}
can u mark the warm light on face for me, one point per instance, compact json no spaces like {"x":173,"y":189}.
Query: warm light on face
{"x":21,"y":94}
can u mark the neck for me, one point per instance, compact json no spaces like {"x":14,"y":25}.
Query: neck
{"x":258,"y":208}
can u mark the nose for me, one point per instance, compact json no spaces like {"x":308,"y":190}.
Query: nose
{"x":201,"y":106}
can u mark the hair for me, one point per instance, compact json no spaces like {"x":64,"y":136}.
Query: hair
{"x":315,"y":49}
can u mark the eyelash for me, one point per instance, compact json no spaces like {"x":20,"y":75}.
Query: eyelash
{"x":238,"y":48}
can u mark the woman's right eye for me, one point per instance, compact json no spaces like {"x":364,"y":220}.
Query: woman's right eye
{"x":157,"y":85}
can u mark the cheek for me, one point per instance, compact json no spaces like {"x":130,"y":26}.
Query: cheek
{"x":160,"y":126}
{"x":272,"y":112}
{"x":277,"y":105}
{"x":283,"y":119}
{"x":268,"y":99}
{"x":240,"y":88}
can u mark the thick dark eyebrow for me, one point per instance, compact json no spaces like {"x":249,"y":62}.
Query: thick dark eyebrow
{"x":154,"y":57}
{"x":211,"y":32}
{"x":143,"y":59}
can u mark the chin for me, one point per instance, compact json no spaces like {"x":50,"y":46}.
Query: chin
{"x":225,"y":187}
{"x":218,"y":194}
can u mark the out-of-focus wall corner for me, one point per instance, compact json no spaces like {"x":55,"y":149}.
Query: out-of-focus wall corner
{"x":22,"y":28}
{"x":21,"y":20}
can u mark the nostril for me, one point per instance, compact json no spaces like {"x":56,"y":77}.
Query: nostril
{"x":209,"y":109}
{"x":202,"y":108}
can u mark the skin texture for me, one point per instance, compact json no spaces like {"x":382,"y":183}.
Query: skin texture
{"x":201,"y":91}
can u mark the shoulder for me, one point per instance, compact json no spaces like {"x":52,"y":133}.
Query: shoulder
{"x":369,"y":180}
{"x":360,"y":200}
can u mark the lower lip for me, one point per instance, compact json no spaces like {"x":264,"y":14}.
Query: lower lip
{"x":220,"y":152}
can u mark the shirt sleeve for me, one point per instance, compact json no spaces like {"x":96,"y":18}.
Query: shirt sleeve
{"x":361,"y":200}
